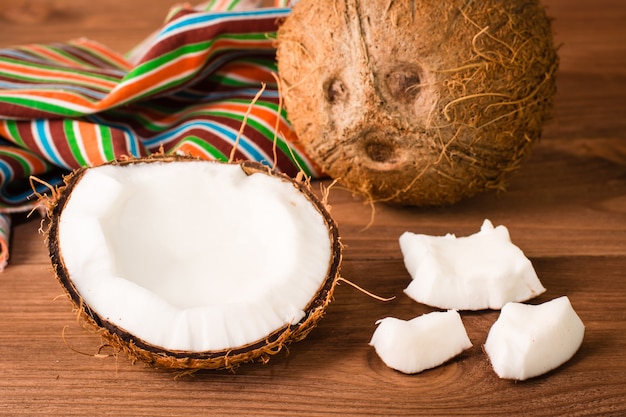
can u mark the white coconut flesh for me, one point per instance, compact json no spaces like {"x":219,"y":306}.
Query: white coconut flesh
{"x":482,"y":271}
{"x":424,"y":342}
{"x":193,"y":256}
{"x":529,"y":340}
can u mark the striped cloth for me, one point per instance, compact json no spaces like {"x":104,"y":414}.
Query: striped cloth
{"x":187,"y":88}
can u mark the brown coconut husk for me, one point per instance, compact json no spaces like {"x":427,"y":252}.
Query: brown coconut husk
{"x":418,"y":102}
{"x":139,"y":350}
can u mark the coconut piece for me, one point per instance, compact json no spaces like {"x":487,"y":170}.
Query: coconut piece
{"x":194,"y":264}
{"x":529,"y":340}
{"x":482,"y":271}
{"x":417,"y":102}
{"x":421,"y":343}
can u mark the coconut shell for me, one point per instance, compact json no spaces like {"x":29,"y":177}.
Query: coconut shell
{"x":418,"y":102}
{"x":137,"y":349}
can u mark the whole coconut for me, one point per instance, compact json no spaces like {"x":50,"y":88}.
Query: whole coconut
{"x":419,"y":102}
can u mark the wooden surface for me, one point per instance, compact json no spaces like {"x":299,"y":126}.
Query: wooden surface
{"x":566,"y":209}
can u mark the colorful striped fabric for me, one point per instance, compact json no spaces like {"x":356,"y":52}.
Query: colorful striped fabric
{"x":187,"y":88}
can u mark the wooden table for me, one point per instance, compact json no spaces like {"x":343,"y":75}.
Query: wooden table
{"x":566,"y":208}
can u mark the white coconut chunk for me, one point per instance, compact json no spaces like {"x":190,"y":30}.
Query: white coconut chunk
{"x":529,"y":340}
{"x":482,"y":271}
{"x":194,"y":256}
{"x":421,"y":343}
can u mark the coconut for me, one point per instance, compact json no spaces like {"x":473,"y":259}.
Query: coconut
{"x":530,"y":340}
{"x":417,"y":102}
{"x":192,"y":264}
{"x":424,"y":342}
{"x":484,"y":270}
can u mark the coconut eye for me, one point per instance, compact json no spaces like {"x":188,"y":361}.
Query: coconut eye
{"x":380,"y":151}
{"x":336,"y":91}
{"x":403,"y":85}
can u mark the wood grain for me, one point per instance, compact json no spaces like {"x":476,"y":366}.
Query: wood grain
{"x":566,"y":208}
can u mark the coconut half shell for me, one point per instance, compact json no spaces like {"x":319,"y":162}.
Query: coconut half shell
{"x":75,"y":271}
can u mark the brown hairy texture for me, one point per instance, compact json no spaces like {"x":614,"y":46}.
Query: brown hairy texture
{"x":137,"y":349}
{"x":418,"y":102}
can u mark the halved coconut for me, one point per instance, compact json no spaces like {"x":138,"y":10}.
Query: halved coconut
{"x":193,"y":264}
